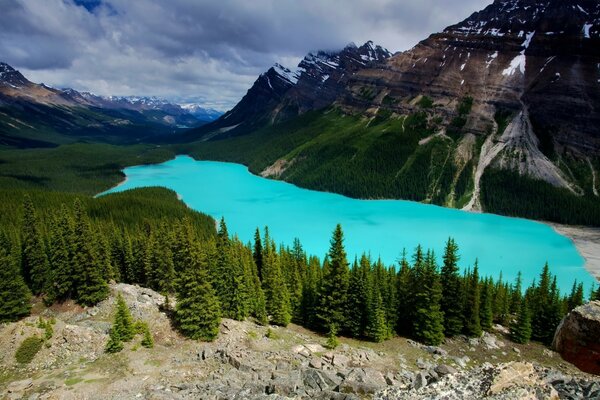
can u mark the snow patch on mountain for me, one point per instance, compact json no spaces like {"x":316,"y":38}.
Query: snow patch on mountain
{"x":519,"y":62}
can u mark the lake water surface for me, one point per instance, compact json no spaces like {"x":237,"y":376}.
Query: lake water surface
{"x":381,"y":227}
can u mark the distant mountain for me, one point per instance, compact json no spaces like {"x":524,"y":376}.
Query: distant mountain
{"x":200,"y":112}
{"x":281,"y":93}
{"x":499,"y":112}
{"x":33,"y":115}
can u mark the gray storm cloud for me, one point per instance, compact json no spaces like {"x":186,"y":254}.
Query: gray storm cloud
{"x":198,"y":50}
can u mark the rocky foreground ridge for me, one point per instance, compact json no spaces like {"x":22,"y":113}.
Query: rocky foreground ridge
{"x":249,"y":361}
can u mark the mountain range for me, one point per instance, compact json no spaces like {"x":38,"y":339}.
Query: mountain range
{"x":500,"y":112}
{"x":33,"y":115}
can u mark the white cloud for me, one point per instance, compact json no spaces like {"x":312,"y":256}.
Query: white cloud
{"x":199,"y":50}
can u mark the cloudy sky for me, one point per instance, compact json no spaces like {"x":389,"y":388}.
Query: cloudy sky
{"x":205,"y":51}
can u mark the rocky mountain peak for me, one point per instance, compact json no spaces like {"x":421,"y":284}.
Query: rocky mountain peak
{"x":11,"y":77}
{"x":549,"y":17}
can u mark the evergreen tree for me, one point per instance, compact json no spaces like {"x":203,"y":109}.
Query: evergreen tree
{"x":62,"y":280}
{"x":472,"y":325}
{"x":486,"y":311}
{"x":428,"y":321}
{"x":34,"y":260}
{"x":596,"y":295}
{"x":520,"y":330}
{"x":123,"y":324}
{"x":310,"y":296}
{"x":197,"y":312}
{"x":14,"y":294}
{"x":334,"y":289}
{"x":358,"y":297}
{"x":516,"y":295}
{"x":148,"y":340}
{"x":258,"y":254}
{"x":451,"y":303}
{"x":160,"y":268}
{"x":575,"y":299}
{"x":114,"y":344}
{"x":91,"y":287}
{"x":376,"y":329}
{"x":404,"y":287}
{"x":229,"y":279}
{"x":276,"y":293}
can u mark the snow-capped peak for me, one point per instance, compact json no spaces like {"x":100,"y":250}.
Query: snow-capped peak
{"x":287,"y":74}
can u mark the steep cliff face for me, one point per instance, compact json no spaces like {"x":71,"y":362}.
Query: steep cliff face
{"x":535,"y":62}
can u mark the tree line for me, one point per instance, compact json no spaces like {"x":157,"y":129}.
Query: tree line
{"x":67,"y":257}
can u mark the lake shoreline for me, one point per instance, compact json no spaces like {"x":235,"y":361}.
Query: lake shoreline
{"x":587,"y":241}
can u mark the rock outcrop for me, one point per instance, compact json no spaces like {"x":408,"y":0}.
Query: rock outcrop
{"x":577,"y":338}
{"x":509,"y":381}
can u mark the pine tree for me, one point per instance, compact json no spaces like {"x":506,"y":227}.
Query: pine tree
{"x":334,"y":289}
{"x":596,"y":295}
{"x":404,"y":297}
{"x":486,"y":312}
{"x":310,"y":295}
{"x":14,"y":294}
{"x":472,"y":325}
{"x":62,"y":277}
{"x":198,"y":313}
{"x":229,"y":277}
{"x":451,"y":303}
{"x":114,"y":344}
{"x":91,"y":287}
{"x":258,"y":253}
{"x":520,"y":330}
{"x":123,"y":324}
{"x":376,"y":329}
{"x":358,"y":297}
{"x":575,"y":299}
{"x":34,"y":260}
{"x":516,"y":295}
{"x":160,"y":268}
{"x":428,"y":321}
{"x":148,"y":340}
{"x":274,"y":287}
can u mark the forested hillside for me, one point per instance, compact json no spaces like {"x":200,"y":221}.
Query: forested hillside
{"x":61,"y":250}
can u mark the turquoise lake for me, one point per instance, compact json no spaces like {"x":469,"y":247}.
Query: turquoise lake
{"x":380,"y":227}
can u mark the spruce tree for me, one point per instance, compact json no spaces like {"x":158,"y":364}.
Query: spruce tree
{"x":404,"y":297}
{"x":160,"y":268}
{"x":486,"y":311}
{"x":520,"y":330}
{"x":229,"y":277}
{"x":258,"y":254}
{"x":376,"y":329}
{"x":274,"y":287}
{"x":472,"y":324}
{"x":516,"y":295}
{"x":428,"y":323}
{"x":147,"y":340}
{"x":62,"y":279}
{"x":575,"y":298}
{"x":198,"y":312}
{"x":14,"y":294}
{"x":123,"y":324}
{"x":34,"y":260}
{"x":310,"y":295}
{"x":334,"y":289}
{"x":451,"y":303}
{"x":358,"y":297}
{"x":114,"y":344}
{"x":91,"y":287}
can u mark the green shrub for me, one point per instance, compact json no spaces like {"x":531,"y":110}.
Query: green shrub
{"x":28,"y":349}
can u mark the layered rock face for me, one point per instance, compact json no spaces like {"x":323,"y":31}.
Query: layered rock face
{"x":577,"y":338}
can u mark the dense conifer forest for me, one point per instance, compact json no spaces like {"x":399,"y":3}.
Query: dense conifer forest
{"x":60,"y":247}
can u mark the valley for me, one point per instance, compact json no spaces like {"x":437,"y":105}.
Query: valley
{"x":360,"y":224}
